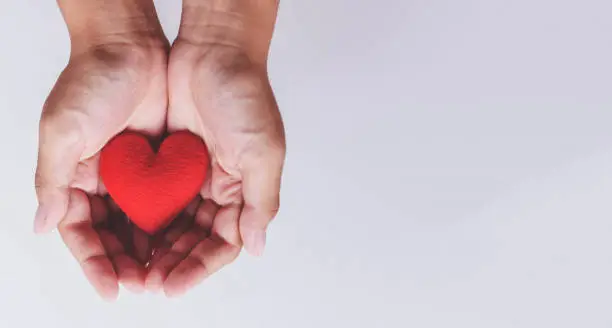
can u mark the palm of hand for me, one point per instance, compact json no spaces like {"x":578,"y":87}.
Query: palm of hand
{"x":219,"y":96}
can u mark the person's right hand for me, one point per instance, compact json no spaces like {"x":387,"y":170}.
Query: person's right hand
{"x":101,"y":92}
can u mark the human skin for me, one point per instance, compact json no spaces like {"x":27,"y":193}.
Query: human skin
{"x":219,"y":89}
{"x":120,"y":76}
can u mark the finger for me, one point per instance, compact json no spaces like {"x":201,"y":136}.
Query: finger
{"x":142,"y":245}
{"x":223,"y":187}
{"x":206,"y":191}
{"x":164,"y":241}
{"x":129,"y":272}
{"x":180,"y":242}
{"x":86,"y":175}
{"x":192,"y":208}
{"x":84,"y":243}
{"x":99,"y":211}
{"x":112,"y":206}
{"x":206,"y":214}
{"x":121,"y":227}
{"x":204,"y":217}
{"x":160,"y":269}
{"x":209,"y":256}
{"x":60,"y":148}
{"x":119,"y":244}
{"x":261,"y":193}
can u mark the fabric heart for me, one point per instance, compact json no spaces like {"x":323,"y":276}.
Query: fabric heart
{"x":153,"y":188}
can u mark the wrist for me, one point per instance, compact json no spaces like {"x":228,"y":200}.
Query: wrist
{"x":99,"y":23}
{"x":246,"y":26}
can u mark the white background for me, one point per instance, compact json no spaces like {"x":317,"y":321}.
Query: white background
{"x":449,"y":165}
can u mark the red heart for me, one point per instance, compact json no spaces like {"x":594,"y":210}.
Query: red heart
{"x":153,"y":188}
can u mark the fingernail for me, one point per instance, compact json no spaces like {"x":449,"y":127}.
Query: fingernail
{"x":40,"y":219}
{"x":255,"y":242}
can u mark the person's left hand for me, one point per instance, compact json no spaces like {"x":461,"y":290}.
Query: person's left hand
{"x":218,"y":94}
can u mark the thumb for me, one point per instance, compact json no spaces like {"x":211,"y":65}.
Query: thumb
{"x":261,"y":192}
{"x":60,"y":147}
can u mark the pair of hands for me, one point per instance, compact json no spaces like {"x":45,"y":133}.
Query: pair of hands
{"x":213,"y":91}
